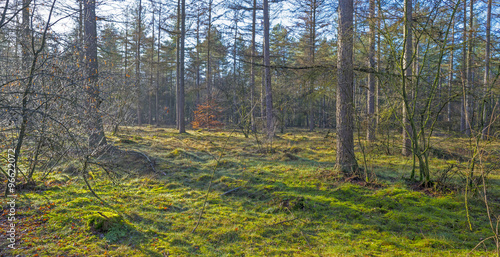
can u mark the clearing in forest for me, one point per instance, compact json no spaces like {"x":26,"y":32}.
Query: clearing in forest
{"x":289,"y":202}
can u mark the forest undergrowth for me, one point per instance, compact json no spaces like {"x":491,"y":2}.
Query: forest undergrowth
{"x":286,"y":202}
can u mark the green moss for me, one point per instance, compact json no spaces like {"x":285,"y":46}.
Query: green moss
{"x":103,"y":221}
{"x":80,"y":202}
{"x":385,"y":217}
{"x":180,"y":153}
{"x":203,"y":178}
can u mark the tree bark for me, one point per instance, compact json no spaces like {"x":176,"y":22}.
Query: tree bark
{"x":26,"y":39}
{"x":235,"y":79}
{"x":267,"y":63}
{"x":138,"y":65}
{"x":463,"y":105}
{"x":469,"y":79}
{"x":125,"y":43}
{"x":157,"y":96}
{"x":450,"y":74}
{"x":198,"y":87}
{"x":486,"y":79}
{"x":312,"y":42}
{"x":379,"y":65}
{"x":262,"y":93}
{"x":182,"y":125}
{"x":346,"y":159}
{"x":252,"y":68}
{"x":177,"y":64}
{"x":370,"y":132}
{"x":151,"y":68}
{"x":94,"y":122}
{"x":407,"y":68}
{"x":209,"y":32}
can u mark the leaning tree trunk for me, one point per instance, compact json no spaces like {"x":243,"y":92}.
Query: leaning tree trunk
{"x":346,"y":159}
{"x":94,"y":121}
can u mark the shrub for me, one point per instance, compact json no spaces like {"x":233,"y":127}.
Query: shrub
{"x":206,"y":115}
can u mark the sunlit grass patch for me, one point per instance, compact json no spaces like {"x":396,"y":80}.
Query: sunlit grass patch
{"x":290,"y":202}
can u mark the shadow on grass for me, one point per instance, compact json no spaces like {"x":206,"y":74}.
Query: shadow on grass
{"x":414,"y":216}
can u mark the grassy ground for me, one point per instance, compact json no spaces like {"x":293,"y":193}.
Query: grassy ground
{"x":288,"y":203}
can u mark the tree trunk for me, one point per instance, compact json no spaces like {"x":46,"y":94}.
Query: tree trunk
{"x":157,"y":96}
{"x":182,"y":125}
{"x":450,"y":74}
{"x":138,"y":65}
{"x":126,"y":47}
{"x":267,"y":63}
{"x":177,"y":64}
{"x":235,"y":79}
{"x":151,"y":69}
{"x":80,"y":42}
{"x":310,"y":115}
{"x":370,"y":132}
{"x":198,"y":87}
{"x":407,"y":68}
{"x":486,"y":79}
{"x":94,"y":122}
{"x":379,"y":65}
{"x":312,"y":42}
{"x":209,"y":71}
{"x":463,"y":105}
{"x":323,"y":112}
{"x":346,"y":159}
{"x":252,"y":68}
{"x":181,"y":98}
{"x":469,"y":79}
{"x":26,"y":39}
{"x":262,"y":94}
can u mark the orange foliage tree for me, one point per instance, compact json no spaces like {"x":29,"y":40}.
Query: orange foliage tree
{"x":206,"y":115}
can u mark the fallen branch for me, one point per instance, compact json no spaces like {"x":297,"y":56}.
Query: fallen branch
{"x":232,"y":190}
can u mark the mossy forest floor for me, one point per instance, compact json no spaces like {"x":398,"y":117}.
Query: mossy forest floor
{"x":287,"y":203}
